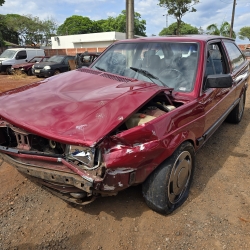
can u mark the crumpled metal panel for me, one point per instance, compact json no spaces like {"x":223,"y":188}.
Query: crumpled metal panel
{"x":83,"y":112}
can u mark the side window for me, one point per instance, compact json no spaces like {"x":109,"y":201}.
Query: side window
{"x":66,"y":60}
{"x":235,"y":55}
{"x":215,"y":60}
{"x":21,"y":55}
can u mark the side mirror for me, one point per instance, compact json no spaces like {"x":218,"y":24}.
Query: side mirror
{"x":219,"y":81}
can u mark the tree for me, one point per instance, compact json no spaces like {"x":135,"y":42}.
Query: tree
{"x":49,"y":30}
{"x":6,"y":32}
{"x":223,"y":30}
{"x":28,"y":30}
{"x":178,"y":8}
{"x":119,"y":24}
{"x":244,"y":33}
{"x":201,"y":31}
{"x":185,"y":29}
{"x":2,"y":2}
{"x":77,"y":25}
{"x":108,"y":24}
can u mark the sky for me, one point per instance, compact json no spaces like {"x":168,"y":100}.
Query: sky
{"x":208,"y":12}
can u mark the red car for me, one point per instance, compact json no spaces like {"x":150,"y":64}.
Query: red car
{"x":27,"y":67}
{"x":138,"y":115}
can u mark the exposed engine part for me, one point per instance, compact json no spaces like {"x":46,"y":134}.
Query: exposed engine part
{"x":169,"y":107}
{"x":79,"y":195}
{"x":138,"y":119}
{"x":148,"y":114}
{"x":52,"y":144}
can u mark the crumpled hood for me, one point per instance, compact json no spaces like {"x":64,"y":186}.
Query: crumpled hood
{"x":78,"y":107}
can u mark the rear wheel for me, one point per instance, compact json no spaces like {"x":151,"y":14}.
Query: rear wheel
{"x":168,"y":186}
{"x":236,"y":114}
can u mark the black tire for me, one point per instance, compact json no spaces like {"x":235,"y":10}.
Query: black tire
{"x":57,"y":71}
{"x":8,"y":70}
{"x":168,"y":186}
{"x":29,"y":72}
{"x":235,"y":116}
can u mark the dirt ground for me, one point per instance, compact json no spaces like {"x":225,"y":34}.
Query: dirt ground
{"x":215,"y":216}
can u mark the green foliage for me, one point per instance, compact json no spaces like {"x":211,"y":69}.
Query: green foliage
{"x":83,"y":25}
{"x":27,"y":29}
{"x":223,"y":30}
{"x":244,"y":33}
{"x":2,"y":2}
{"x":6,"y":33}
{"x":49,"y":30}
{"x":178,"y":8}
{"x":78,"y":25}
{"x":185,"y":29}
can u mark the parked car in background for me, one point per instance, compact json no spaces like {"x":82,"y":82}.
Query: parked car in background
{"x":247,"y":54}
{"x":85,"y":59}
{"x":53,"y":66}
{"x":27,"y":67}
{"x":137,"y":115}
{"x":15,"y":56}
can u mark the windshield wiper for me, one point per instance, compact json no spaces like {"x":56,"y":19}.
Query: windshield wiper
{"x":100,"y":69}
{"x":147,"y":74}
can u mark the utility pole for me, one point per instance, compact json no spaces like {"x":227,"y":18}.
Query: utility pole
{"x":232,"y":20}
{"x":166,"y":20}
{"x":130,"y":19}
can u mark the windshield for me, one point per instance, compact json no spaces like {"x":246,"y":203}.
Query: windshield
{"x":35,"y":59}
{"x":57,"y":59}
{"x":171,"y":64}
{"x":8,"y":54}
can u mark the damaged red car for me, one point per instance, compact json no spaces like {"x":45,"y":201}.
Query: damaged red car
{"x":138,"y":115}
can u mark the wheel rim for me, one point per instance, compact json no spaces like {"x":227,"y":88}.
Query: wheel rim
{"x":180,"y":177}
{"x":241,"y":106}
{"x":57,"y":72}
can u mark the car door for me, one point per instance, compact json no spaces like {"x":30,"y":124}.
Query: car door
{"x":65,"y":64}
{"x":215,"y":101}
{"x":21,"y":56}
{"x":238,"y":66}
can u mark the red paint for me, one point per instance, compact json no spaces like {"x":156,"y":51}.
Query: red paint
{"x":84,"y":108}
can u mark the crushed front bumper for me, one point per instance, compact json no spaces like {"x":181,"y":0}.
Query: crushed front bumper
{"x":65,"y":184}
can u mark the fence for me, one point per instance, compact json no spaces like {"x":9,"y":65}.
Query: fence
{"x":72,"y":52}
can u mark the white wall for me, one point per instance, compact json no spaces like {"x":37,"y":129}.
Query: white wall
{"x":93,"y":40}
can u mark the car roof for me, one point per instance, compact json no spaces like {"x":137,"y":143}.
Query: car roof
{"x":202,"y":38}
{"x":16,"y":49}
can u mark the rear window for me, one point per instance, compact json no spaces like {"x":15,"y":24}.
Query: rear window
{"x":235,"y":55}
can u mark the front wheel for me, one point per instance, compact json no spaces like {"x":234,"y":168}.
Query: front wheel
{"x":29,"y":72}
{"x":168,"y":186}
{"x":57,"y":71}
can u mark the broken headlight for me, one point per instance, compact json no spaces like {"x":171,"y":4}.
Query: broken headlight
{"x":88,"y":157}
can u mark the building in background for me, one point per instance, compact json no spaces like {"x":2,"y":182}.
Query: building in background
{"x":93,"y":42}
